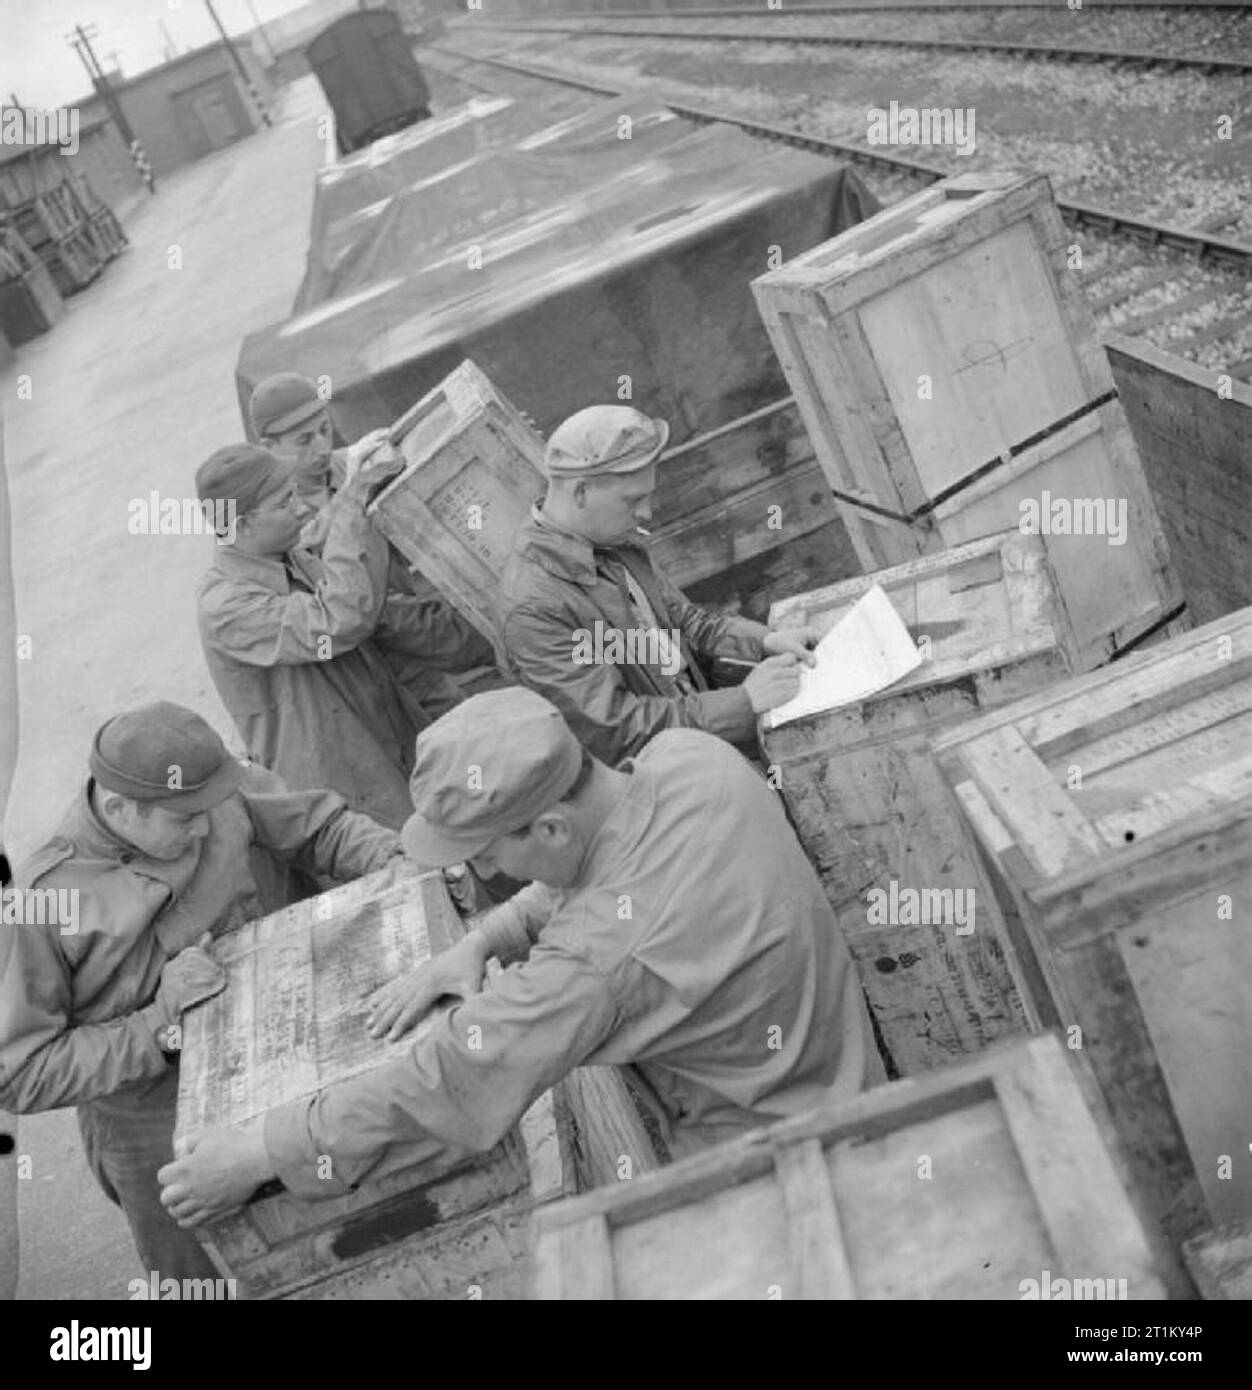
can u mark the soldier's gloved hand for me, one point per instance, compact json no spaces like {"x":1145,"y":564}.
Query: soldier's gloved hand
{"x":374,"y":447}
{"x":190,"y":977}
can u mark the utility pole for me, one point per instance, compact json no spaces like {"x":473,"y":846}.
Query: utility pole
{"x":260,"y":28}
{"x":80,"y":40}
{"x":243,"y":71}
{"x":171,"y":48}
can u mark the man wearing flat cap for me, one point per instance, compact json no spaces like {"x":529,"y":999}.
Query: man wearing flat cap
{"x":169,"y":843}
{"x":431,"y":649}
{"x":288,"y":636}
{"x":673,"y":923}
{"x":591,"y":623}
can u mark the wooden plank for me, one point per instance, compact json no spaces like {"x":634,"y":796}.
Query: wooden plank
{"x":1221,"y":1262}
{"x":822,"y":1270}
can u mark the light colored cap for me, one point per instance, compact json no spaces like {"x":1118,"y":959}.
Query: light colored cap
{"x":604,"y":439}
{"x":281,"y":402}
{"x":486,"y":768}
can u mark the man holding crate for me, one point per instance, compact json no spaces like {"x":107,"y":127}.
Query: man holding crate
{"x":434,"y":652}
{"x":593,"y":625}
{"x":170,"y":842}
{"x":673,"y":922}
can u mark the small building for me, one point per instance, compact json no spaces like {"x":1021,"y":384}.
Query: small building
{"x":101,"y":158}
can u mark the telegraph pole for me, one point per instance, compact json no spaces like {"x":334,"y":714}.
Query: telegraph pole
{"x":243,"y":71}
{"x":80,"y":40}
{"x":260,"y":28}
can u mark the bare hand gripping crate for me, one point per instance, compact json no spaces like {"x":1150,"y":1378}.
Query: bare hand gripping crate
{"x":1115,"y":812}
{"x":474,"y":469}
{"x":291,"y":1021}
{"x":947,"y":368}
{"x":977,"y":1182}
{"x":868,"y":802}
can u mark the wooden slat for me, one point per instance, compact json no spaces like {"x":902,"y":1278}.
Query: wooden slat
{"x":822,"y":1270}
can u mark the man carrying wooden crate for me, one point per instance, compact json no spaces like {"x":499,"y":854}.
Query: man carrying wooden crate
{"x":593,"y":625}
{"x":673,"y":923}
{"x":435,"y":653}
{"x":289,"y":634}
{"x":170,"y":842}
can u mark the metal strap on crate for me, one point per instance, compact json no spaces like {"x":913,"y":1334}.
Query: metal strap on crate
{"x":920,"y":513}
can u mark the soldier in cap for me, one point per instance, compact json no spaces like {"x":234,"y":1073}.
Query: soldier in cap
{"x":430,"y":647}
{"x":673,"y":922}
{"x":591,"y":623}
{"x":169,"y":843}
{"x":288,"y":635}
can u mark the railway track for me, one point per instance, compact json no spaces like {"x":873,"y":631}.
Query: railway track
{"x":1140,"y":274}
{"x":1057,"y":52}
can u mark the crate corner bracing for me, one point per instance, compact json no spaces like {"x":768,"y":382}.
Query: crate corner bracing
{"x":949,"y":374}
{"x":1115,"y":815}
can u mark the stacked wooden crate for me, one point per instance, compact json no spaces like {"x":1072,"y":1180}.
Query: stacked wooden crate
{"x":948,"y":371}
{"x":30,"y":302}
{"x":292,"y":1021}
{"x":54,"y":227}
{"x":993,"y":1179}
{"x":1115,"y":815}
{"x":474,"y":469}
{"x":873,"y":813}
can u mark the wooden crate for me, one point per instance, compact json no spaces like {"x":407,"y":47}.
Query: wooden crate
{"x":1115,"y":812}
{"x":475,"y":467}
{"x":871,"y":808}
{"x":947,"y":368}
{"x":964,"y":1184}
{"x":292,"y":1020}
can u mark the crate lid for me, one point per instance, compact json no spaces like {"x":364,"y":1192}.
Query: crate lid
{"x":1103,"y":793}
{"x":988,"y":603}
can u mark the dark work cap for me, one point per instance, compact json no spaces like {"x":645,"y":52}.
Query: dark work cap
{"x":488,"y":767}
{"x":244,"y":473}
{"x":164,"y":755}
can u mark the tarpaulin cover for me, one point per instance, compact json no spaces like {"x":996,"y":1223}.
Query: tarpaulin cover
{"x":643,"y":274}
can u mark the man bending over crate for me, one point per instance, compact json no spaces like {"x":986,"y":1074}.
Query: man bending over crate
{"x":673,"y":922}
{"x":592,"y":624}
{"x":170,"y":842}
{"x":434,"y":651}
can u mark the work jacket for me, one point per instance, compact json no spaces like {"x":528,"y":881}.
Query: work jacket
{"x":423,"y":639}
{"x":77,"y":1011}
{"x":290,"y":650}
{"x":553,"y":588}
{"x":696,"y":943}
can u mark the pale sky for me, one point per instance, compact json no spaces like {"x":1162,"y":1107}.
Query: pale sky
{"x":38,"y":64}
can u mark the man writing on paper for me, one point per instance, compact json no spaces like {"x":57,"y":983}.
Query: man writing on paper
{"x":673,"y":922}
{"x":590,"y":623}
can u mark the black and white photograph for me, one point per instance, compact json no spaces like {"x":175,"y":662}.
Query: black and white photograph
{"x":625,"y":666}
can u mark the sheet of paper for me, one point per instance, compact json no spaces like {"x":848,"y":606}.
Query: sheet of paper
{"x":865,"y":652}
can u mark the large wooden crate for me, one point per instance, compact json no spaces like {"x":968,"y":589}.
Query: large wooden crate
{"x":967,"y":1184}
{"x":1115,"y":812}
{"x":947,"y":368}
{"x":872,"y":810}
{"x":474,"y":470}
{"x":292,"y":1020}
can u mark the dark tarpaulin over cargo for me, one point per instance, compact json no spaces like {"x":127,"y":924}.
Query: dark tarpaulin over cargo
{"x":632,"y":275}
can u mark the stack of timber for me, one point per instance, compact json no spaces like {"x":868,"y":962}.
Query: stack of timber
{"x":1115,"y":814}
{"x":292,"y":1021}
{"x":984,"y":1181}
{"x":949,"y":374}
{"x":54,"y":226}
{"x":474,"y":468}
{"x":30,"y":302}
{"x":870,"y":807}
